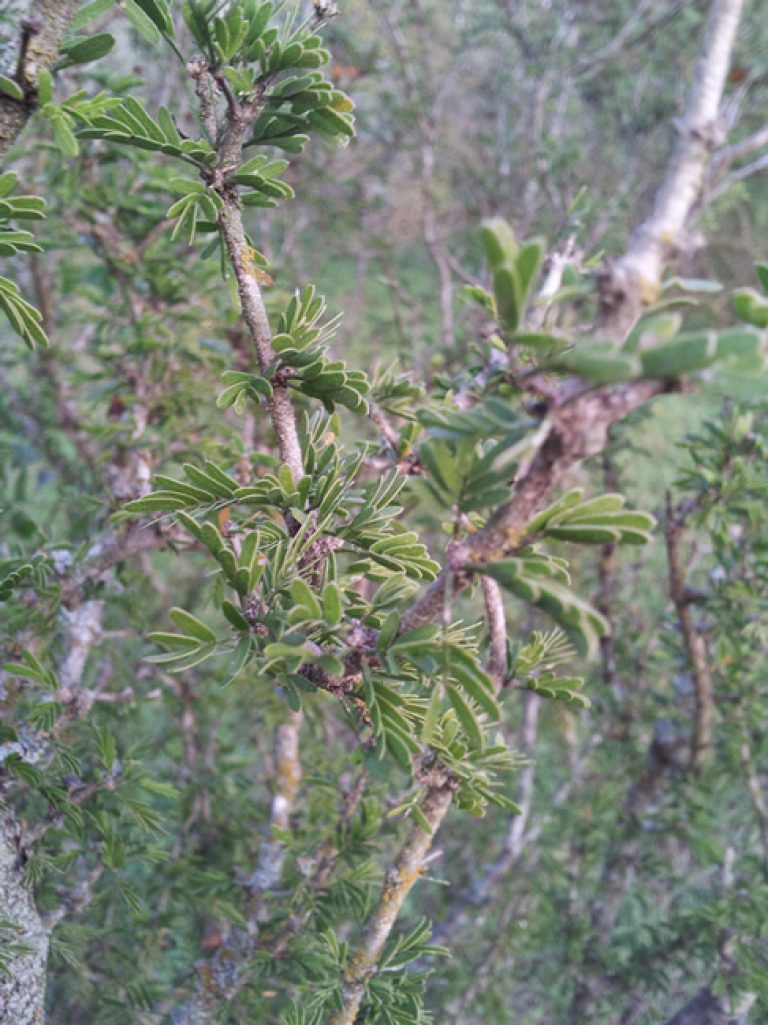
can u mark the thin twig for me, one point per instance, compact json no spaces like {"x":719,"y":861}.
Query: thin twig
{"x":694,"y":640}
{"x":399,"y":883}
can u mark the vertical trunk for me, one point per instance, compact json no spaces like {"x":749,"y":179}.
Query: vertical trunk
{"x":22,"y":994}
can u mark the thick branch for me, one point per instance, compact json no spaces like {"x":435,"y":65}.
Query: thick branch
{"x":579,"y":429}
{"x":634,"y":279}
{"x":22,"y":993}
{"x":44,"y":29}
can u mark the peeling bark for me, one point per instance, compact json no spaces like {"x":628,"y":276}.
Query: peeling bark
{"x":497,"y":630}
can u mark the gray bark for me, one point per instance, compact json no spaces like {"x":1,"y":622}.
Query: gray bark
{"x":22,"y":995}
{"x":633,"y":281}
{"x":48,"y":21}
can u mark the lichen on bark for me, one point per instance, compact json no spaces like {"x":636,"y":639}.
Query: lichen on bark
{"x":22,"y":992}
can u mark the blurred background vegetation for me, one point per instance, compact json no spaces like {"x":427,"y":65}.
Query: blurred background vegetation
{"x":630,"y":884}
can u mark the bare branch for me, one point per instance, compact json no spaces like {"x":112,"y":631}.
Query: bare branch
{"x":106,"y":553}
{"x":220,"y":977}
{"x":623,"y":41}
{"x":747,"y":171}
{"x":738,"y":150}
{"x":255,"y":315}
{"x":22,"y":995}
{"x":633,"y":280}
{"x":288,"y":773}
{"x":497,"y":630}
{"x":694,"y":640}
{"x":617,"y":45}
{"x":517,"y":837}
{"x":77,"y":898}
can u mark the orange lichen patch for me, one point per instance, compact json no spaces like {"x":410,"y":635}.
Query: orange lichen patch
{"x":254,"y":269}
{"x":361,"y":708}
{"x":261,"y":276}
{"x":223,"y":517}
{"x":289,"y":776}
{"x":514,"y":536}
{"x":357,"y":966}
{"x":400,"y":881}
{"x":649,"y":290}
{"x":342,"y":71}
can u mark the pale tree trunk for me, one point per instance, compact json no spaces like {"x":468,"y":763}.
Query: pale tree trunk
{"x":22,"y":994}
{"x":633,"y":281}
